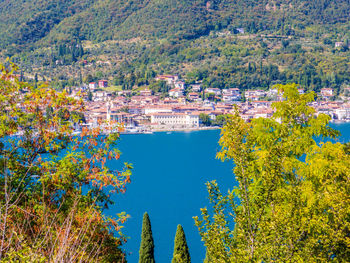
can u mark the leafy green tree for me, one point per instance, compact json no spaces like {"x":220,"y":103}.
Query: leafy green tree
{"x":204,"y":118}
{"x":159,"y":86}
{"x":219,"y":121}
{"x":89,"y":78}
{"x":54,"y":186}
{"x":146,"y":253}
{"x":181,"y":252}
{"x":210,"y":96}
{"x":49,"y":113}
{"x":292,"y":201}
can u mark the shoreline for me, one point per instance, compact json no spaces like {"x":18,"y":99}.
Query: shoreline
{"x":186,"y":129}
{"x":168,"y":129}
{"x":339,"y":121}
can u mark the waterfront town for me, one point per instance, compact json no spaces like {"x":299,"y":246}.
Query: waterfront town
{"x":190,"y":107}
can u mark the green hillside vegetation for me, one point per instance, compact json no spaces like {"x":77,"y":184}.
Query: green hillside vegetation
{"x":129,"y":42}
{"x":243,"y":61}
{"x":23,"y":22}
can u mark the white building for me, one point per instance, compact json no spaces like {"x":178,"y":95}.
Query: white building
{"x":194,"y":96}
{"x":327,"y":93}
{"x":92,"y":85}
{"x":229,"y":95}
{"x":170,"y":79}
{"x":176,"y":93}
{"x":158,"y":109}
{"x":254,"y":94}
{"x":176,"y":119}
{"x":196,"y":87}
{"x":180,"y":85}
{"x":342,"y":113}
{"x":146,"y":92}
{"x":216,"y":91}
{"x":339,"y":44}
{"x":100,"y":96}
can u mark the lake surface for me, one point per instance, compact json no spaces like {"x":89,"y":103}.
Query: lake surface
{"x":168,"y":181}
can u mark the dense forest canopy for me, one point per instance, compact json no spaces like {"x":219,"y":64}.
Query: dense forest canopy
{"x":25,"y":22}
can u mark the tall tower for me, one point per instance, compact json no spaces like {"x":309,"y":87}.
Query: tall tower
{"x":108,"y":105}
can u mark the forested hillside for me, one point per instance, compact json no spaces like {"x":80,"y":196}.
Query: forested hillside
{"x":222,"y":43}
{"x":25,"y":22}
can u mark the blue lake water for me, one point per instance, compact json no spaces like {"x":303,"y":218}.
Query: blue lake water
{"x":168,"y":181}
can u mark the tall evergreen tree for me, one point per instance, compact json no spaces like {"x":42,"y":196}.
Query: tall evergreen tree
{"x":181,"y":252}
{"x":21,"y":78}
{"x":147,"y":245}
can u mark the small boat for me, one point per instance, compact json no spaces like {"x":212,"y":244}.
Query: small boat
{"x":76,"y":132}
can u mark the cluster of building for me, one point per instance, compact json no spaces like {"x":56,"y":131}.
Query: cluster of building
{"x":182,"y":108}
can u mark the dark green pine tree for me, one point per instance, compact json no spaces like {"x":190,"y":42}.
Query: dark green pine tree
{"x":181,"y":252}
{"x":147,"y":245}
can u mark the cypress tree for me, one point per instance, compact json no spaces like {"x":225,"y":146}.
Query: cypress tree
{"x":181,"y":252}
{"x":146,"y":252}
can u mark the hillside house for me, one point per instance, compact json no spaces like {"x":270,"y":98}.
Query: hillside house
{"x":169,"y":79}
{"x":103,"y":83}
{"x":193,"y":96}
{"x":215,"y":91}
{"x":230,"y":95}
{"x":196,"y":87}
{"x":338,"y":44}
{"x":240,"y":30}
{"x":100,"y":96}
{"x":261,"y":104}
{"x":327,"y":93}
{"x":254,"y":94}
{"x":146,"y":92}
{"x":92,"y":85}
{"x":180,"y":85}
{"x":176,"y":93}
